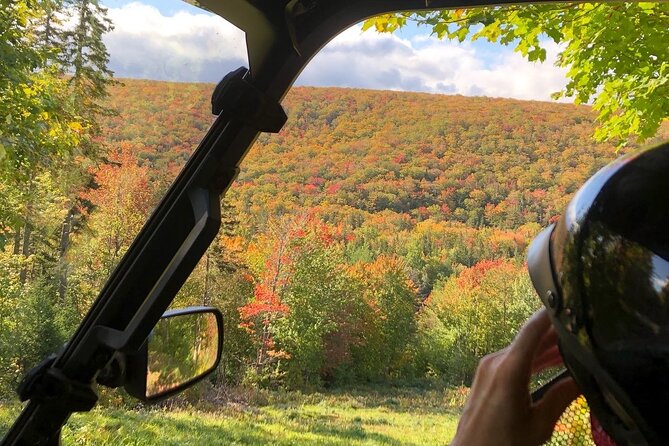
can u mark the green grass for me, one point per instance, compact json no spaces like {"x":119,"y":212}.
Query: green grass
{"x":354,"y":417}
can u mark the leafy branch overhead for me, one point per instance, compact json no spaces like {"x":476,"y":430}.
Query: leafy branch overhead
{"x":616,"y":54}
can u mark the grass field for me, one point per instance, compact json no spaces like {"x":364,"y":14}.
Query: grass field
{"x":354,"y":417}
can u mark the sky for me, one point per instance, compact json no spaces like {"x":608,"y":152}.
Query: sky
{"x":171,"y":40}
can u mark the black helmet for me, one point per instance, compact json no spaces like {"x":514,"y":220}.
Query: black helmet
{"x":603,"y":273}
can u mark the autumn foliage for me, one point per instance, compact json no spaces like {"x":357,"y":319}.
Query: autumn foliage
{"x":379,"y":236}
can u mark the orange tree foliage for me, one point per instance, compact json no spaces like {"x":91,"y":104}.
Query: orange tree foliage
{"x":314,"y":318}
{"x":120,"y":202}
{"x":304,"y":312}
{"x":271,"y":260}
{"x":479,"y":161}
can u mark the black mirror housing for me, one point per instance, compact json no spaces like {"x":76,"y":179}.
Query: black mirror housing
{"x":184,"y":348}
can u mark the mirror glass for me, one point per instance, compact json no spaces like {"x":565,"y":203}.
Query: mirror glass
{"x":180,"y":349}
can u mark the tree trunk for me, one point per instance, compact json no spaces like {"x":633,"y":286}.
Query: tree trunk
{"x":25,"y":243}
{"x":78,"y":61}
{"x":17,"y":242}
{"x":25,"y":251}
{"x":62,"y":263}
{"x":205,"y":296}
{"x":48,"y":29}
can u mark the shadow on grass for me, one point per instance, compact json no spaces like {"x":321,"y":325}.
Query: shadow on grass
{"x":403,"y":400}
{"x":138,"y":428}
{"x":353,"y":416}
{"x":354,"y":433}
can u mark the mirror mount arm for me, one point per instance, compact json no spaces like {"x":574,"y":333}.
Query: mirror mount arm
{"x":113,"y":374}
{"x":46,"y":384}
{"x":235,"y":94}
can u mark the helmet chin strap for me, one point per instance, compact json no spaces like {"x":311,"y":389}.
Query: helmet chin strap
{"x":599,"y":435}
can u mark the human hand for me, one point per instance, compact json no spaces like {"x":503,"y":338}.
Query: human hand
{"x":499,"y":410}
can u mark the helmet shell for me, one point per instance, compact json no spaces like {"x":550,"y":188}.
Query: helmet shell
{"x":609,"y":275}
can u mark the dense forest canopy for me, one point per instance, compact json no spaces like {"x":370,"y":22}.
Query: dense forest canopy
{"x":479,"y":161}
{"x":379,"y":235}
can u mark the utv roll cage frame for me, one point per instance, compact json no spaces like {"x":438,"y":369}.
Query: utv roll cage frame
{"x":282,"y":36}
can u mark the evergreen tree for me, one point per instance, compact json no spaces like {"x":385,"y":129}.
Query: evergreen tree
{"x":49,"y":31}
{"x":88,"y":59}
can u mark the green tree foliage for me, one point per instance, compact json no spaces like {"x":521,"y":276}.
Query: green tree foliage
{"x":390,"y":323}
{"x":616,"y":53}
{"x":42,"y":166}
{"x":324,"y":309}
{"x":39,"y":130}
{"x":472,"y":314}
{"x":45,"y":129}
{"x":87,"y":58}
{"x":34,"y":304}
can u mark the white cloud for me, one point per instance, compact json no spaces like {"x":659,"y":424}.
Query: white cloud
{"x":182,"y":47}
{"x":202,"y":47}
{"x":387,"y":61}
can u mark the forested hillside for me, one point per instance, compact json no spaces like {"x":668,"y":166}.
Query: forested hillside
{"x":379,"y":236}
{"x":479,"y":161}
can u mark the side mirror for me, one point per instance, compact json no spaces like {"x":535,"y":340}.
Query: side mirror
{"x":183,"y":348}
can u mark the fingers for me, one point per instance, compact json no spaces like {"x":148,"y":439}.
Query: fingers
{"x":554,"y":402}
{"x":487,"y":366}
{"x":549,"y":340}
{"x":547,"y":353}
{"x":529,"y":338}
{"x":546,"y":360}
